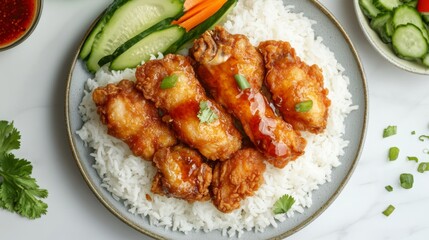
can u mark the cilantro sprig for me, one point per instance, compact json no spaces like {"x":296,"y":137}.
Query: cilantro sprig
{"x":283,"y":204}
{"x":19,"y":192}
{"x":206,"y":114}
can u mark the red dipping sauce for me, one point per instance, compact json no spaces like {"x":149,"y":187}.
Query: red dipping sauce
{"x":17,"y":18}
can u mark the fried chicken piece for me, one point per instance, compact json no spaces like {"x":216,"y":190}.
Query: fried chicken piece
{"x":215,"y":139}
{"x":291,"y":82}
{"x":237,"y":178}
{"x":131,"y":118}
{"x":181,"y":174}
{"x":220,"y":57}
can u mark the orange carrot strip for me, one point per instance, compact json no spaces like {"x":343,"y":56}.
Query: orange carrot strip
{"x":191,"y":3}
{"x":191,"y":12}
{"x":202,"y":15}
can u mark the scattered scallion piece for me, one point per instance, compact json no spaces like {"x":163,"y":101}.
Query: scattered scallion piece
{"x":410,"y":158}
{"x":304,"y":106}
{"x":422,"y":137}
{"x":389,"y":188}
{"x":389,"y":131}
{"x":393,"y":153}
{"x":283,"y":204}
{"x":389,"y":210}
{"x":206,"y":114}
{"x":169,"y":82}
{"x":406,"y":180}
{"x":241,"y":81}
{"x":423,"y":167}
{"x":413,"y":133}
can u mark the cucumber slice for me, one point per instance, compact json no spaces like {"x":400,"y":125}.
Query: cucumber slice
{"x":425,"y":60}
{"x":127,"y":21}
{"x":386,"y":5}
{"x":404,"y":14}
{"x":389,"y":28}
{"x":368,"y":8}
{"x":158,"y":41}
{"x":409,"y":43}
{"x":87,"y":45}
{"x":412,"y":3}
{"x":204,"y":26}
{"x":425,"y":17}
{"x":379,"y":23}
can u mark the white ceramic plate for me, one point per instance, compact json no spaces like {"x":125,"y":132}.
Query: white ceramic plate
{"x":383,"y":48}
{"x":337,"y":40}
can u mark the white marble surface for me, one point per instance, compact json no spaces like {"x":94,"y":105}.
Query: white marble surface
{"x":33,"y":78}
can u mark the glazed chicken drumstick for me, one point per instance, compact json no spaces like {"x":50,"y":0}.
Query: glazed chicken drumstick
{"x":133,"y":119}
{"x":221,"y":57}
{"x":197,"y":120}
{"x":293,"y":83}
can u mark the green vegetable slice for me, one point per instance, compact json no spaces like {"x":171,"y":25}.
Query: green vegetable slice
{"x":389,"y":210}
{"x":87,"y":46}
{"x":169,"y":82}
{"x":389,"y":131}
{"x":283,"y":204}
{"x":304,"y":106}
{"x":411,"y":158}
{"x":368,"y":8}
{"x":127,"y":21}
{"x":422,"y":137}
{"x":407,"y":180}
{"x":423,"y":167}
{"x":156,"y":42}
{"x":389,"y":188}
{"x":393,"y":153}
{"x":241,"y":81}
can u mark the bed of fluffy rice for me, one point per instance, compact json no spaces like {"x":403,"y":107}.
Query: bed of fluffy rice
{"x":129,"y":178}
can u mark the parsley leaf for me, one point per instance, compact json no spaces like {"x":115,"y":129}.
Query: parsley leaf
{"x":283,"y":204}
{"x":206,"y":114}
{"x":19,"y":192}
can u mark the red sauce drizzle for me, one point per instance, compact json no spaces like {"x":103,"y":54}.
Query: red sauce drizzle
{"x":16,"y":18}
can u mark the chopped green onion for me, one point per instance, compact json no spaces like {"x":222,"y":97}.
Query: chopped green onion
{"x":304,"y":106}
{"x":389,"y":131}
{"x":169,"y":82}
{"x":413,"y":133}
{"x":241,"y":81}
{"x":423,"y":167}
{"x":389,"y":210}
{"x":393,"y":153}
{"x":413,"y":159}
{"x":206,"y":114}
{"x":422,"y":137}
{"x":407,"y":180}
{"x":389,"y":188}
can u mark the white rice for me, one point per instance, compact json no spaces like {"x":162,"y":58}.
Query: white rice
{"x":129,"y":178}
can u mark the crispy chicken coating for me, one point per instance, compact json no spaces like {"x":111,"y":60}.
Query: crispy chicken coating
{"x":181,"y":174}
{"x":215,"y":139}
{"x":291,"y":82}
{"x":237,"y":178}
{"x":131,"y":118}
{"x":221,"y":56}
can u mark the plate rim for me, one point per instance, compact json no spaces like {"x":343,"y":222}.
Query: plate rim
{"x":97,"y":192}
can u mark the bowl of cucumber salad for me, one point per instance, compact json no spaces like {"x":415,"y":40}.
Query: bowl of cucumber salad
{"x":399,"y":30}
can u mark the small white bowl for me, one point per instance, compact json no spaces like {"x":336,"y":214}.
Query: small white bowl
{"x":383,"y":48}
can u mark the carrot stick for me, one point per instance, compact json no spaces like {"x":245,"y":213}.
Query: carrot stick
{"x":207,"y":10}
{"x":191,"y":12}
{"x":191,"y":3}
